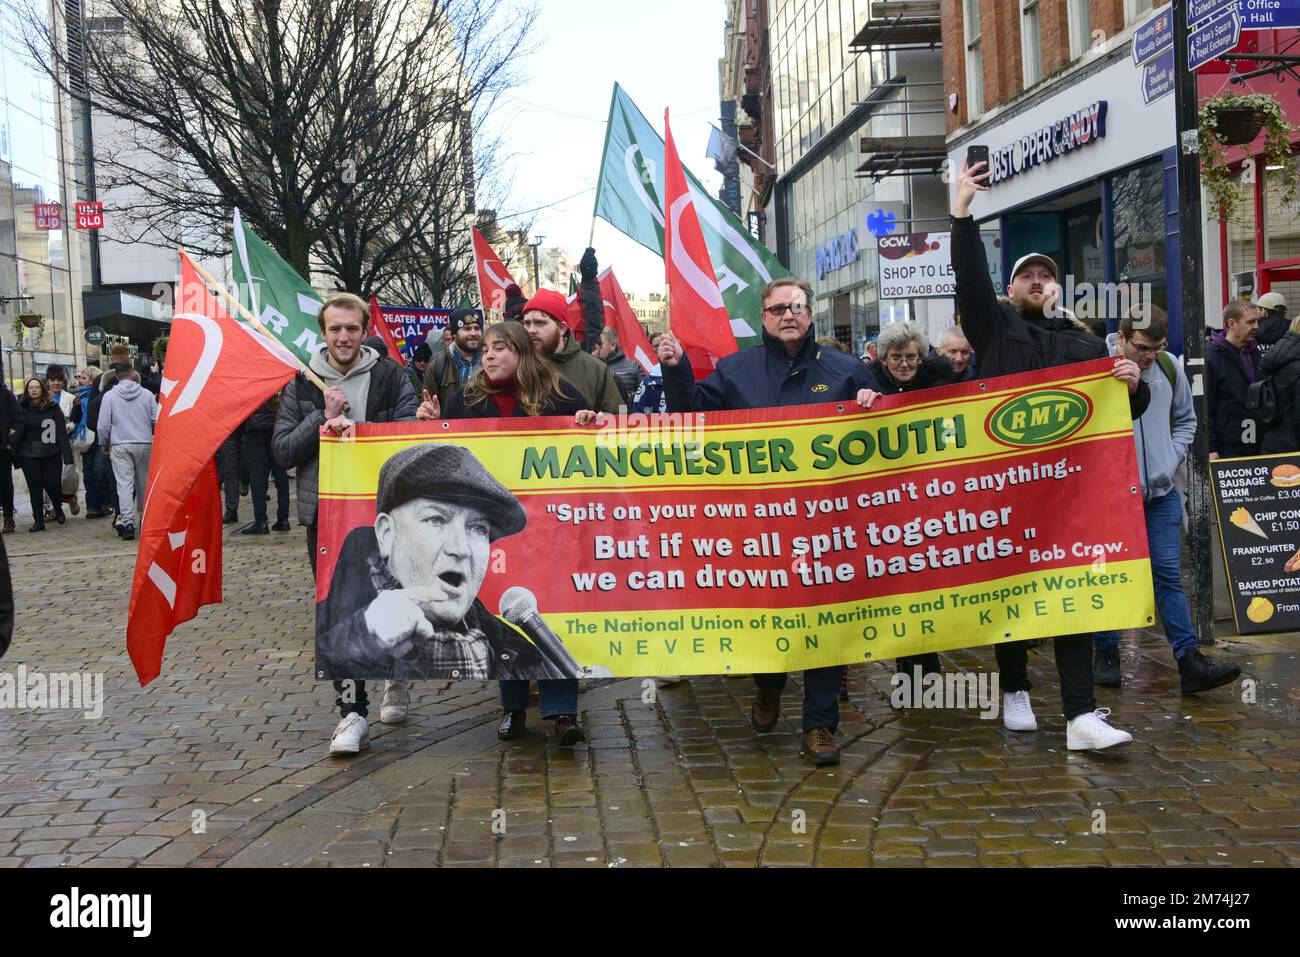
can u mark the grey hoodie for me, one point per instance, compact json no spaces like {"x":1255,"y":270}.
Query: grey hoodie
{"x":355,"y":382}
{"x":127,"y":415}
{"x":1162,"y":439}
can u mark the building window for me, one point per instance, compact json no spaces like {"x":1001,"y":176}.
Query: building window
{"x":1133,"y":9}
{"x":974,"y":61}
{"x":1080,"y":12}
{"x":1031,"y":42}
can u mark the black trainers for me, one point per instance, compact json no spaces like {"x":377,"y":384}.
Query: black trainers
{"x":257,"y":528}
{"x":280,"y":527}
{"x":1199,"y":673}
{"x":230,"y":517}
{"x":127,"y":532}
{"x":1105,"y":668}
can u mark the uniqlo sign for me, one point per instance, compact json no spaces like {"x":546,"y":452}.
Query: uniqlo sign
{"x":90,"y":215}
{"x":49,"y":216}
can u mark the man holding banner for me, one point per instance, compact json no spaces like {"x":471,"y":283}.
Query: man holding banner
{"x":789,"y":368}
{"x":1031,"y":332}
{"x":361,"y":389}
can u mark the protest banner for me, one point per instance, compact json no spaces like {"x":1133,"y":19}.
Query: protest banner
{"x":761,"y":541}
{"x":1258,"y":502}
{"x":410,"y":325}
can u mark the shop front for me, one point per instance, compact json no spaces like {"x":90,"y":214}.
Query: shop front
{"x":1085,"y":173}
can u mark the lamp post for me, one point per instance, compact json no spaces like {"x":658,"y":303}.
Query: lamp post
{"x":537,"y":275}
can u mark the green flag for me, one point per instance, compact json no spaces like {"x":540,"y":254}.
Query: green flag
{"x":629,"y":196}
{"x":272,"y":290}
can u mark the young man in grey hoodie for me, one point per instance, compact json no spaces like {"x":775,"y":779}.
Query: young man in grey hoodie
{"x":360,"y":388}
{"x":126,"y":422}
{"x":1163,"y":435}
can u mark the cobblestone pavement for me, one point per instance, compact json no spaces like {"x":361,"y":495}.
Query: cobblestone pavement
{"x":231,"y":740}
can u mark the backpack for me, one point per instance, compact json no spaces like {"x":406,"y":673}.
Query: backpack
{"x":1261,"y":401}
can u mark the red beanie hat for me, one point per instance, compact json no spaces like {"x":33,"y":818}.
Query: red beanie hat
{"x":552,"y":303}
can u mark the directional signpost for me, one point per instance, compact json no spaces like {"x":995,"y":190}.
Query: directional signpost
{"x":1270,"y":14}
{"x":1154,"y":37}
{"x":1158,"y":77}
{"x":1213,"y":38}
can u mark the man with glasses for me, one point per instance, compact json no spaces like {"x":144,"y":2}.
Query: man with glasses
{"x":1163,"y":435}
{"x":788,"y":368}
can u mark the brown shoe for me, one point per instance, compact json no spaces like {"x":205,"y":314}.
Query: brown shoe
{"x":819,"y":746}
{"x":766,"y":711}
{"x":9,"y":524}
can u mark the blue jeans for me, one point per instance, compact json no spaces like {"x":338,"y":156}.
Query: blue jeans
{"x":1164,"y":539}
{"x":98,"y":494}
{"x":821,"y":694}
{"x":559,"y":696}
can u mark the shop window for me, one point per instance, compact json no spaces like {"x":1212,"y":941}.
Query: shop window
{"x":1281,"y":222}
{"x":1133,"y":9}
{"x":974,"y":61}
{"x":1085,"y":249}
{"x":1080,"y":14}
{"x":1242,"y":256}
{"x":1138,"y":209}
{"x":1031,"y":42}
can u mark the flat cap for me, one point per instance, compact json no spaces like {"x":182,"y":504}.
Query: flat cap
{"x":451,"y":474}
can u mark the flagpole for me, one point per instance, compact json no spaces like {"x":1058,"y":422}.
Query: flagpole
{"x":252,"y":320}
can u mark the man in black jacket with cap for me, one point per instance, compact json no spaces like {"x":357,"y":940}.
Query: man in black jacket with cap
{"x":1031,"y":332}
{"x":448,"y":371}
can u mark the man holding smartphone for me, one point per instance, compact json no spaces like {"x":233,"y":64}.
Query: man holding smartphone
{"x":1023,"y":335}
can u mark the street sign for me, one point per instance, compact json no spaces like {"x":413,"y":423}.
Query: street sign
{"x":1270,"y":14}
{"x":1198,"y":10}
{"x":1154,"y":37}
{"x":1212,"y":39}
{"x":1158,"y":77}
{"x":95,"y":335}
{"x":90,"y":215}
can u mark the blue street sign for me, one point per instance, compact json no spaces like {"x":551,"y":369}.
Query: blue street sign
{"x":1154,"y":37}
{"x":1198,"y":10}
{"x":1212,"y":39}
{"x":1158,"y":77}
{"x":1270,"y":14}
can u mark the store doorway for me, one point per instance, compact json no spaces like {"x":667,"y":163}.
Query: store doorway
{"x":842,"y":320}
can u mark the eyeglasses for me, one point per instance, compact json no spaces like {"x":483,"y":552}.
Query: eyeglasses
{"x":795,"y":309}
{"x":903,"y":360}
{"x":1148,"y":350}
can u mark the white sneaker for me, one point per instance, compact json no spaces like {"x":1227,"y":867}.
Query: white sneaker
{"x":1017,"y":714}
{"x":396,"y":701}
{"x":352,"y":735}
{"x":1091,"y":732}
{"x":667,"y":681}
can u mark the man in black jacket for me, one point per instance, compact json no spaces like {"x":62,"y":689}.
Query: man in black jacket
{"x":789,"y":368}
{"x":627,"y":372}
{"x":1232,"y":365}
{"x":9,"y":413}
{"x":1024,"y":333}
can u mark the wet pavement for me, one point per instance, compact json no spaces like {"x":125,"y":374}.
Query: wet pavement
{"x":222,"y":761}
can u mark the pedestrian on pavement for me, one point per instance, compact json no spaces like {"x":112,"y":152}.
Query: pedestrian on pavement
{"x":43,"y":449}
{"x":262,"y":466}
{"x":1028,"y":332}
{"x":360,"y":388}
{"x":1273,"y":323}
{"x":1232,"y":366}
{"x":649,"y":396}
{"x":103,"y":468}
{"x":126,"y":424}
{"x":98,"y":500}
{"x":1163,"y":435}
{"x":546,"y":319}
{"x":230,"y":468}
{"x":954,"y":347}
{"x":451,"y":368}
{"x":627,"y":372}
{"x":11,"y":417}
{"x":56,"y":379}
{"x":419,"y":366}
{"x":1281,"y":364}
{"x":513,"y":383}
{"x":787,"y":369}
{"x":6,"y":601}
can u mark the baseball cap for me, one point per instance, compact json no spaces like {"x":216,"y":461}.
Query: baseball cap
{"x":1271,"y":300}
{"x":1039,"y":258}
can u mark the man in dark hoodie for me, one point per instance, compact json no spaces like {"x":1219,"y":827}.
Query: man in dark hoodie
{"x":1024,"y":333}
{"x":10,"y":415}
{"x":1232,"y":365}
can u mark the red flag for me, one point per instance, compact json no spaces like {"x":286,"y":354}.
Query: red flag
{"x":217,"y":372}
{"x":695,"y":311}
{"x":493,"y":277}
{"x":380,"y":327}
{"x":620,"y":317}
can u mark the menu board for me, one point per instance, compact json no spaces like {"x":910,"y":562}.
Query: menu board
{"x":1258,"y":501}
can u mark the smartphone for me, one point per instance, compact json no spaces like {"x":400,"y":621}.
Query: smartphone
{"x":977,"y":154}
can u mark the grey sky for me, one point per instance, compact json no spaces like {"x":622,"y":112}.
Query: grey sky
{"x":665,"y":54}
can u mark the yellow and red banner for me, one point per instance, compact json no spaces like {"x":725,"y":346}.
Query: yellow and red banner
{"x":783,"y":539}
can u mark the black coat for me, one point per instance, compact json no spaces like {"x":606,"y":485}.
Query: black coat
{"x":10,"y":418}
{"x":934,"y":370}
{"x":1226,"y":385}
{"x":627,"y":374}
{"x":1006,"y":340}
{"x":345,"y":649}
{"x":766,"y":376}
{"x":570,"y":402}
{"x":102,"y":388}
{"x":1282,"y":364}
{"x":33,"y":431}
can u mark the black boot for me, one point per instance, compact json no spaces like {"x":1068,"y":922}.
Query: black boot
{"x":1105,"y":668}
{"x":281,"y":526}
{"x":512,"y":726}
{"x":257,"y":528}
{"x":1199,"y":673}
{"x":230,"y":518}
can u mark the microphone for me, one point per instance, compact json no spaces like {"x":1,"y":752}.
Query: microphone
{"x":519,"y":607}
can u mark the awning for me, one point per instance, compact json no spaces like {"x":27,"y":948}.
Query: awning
{"x":901,"y":156}
{"x":123,"y":314}
{"x":900,"y":23}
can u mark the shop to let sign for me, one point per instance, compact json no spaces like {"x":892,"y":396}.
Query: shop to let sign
{"x":1258,"y":502}
{"x":919,"y":265}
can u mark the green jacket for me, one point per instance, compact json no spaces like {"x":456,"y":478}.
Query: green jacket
{"x":588,"y":375}
{"x":442,"y":377}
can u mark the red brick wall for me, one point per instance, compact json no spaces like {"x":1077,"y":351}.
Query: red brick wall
{"x":1054,"y":23}
{"x":954,"y":62}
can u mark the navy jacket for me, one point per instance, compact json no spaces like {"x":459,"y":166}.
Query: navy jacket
{"x":1226,"y":384}
{"x":766,"y":376}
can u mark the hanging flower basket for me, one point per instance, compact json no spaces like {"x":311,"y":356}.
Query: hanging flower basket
{"x":1235,"y":119}
{"x":31,"y":319}
{"x":1238,"y":126}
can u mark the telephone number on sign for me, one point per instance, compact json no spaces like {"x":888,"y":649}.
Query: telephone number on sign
{"x":908,"y":292}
